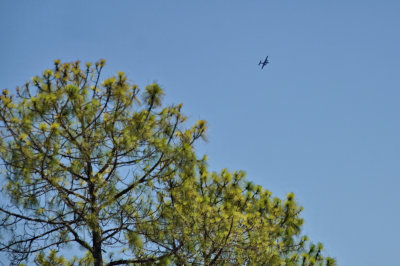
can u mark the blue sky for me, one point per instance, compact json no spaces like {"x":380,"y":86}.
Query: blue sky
{"x":320,"y":120}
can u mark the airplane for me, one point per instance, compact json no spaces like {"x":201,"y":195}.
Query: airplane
{"x":263,"y":64}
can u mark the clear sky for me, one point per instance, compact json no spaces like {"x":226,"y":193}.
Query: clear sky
{"x":321,"y":120}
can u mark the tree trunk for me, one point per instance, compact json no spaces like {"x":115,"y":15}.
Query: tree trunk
{"x":97,"y":253}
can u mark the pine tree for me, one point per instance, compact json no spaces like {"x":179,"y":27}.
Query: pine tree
{"x":108,"y":168}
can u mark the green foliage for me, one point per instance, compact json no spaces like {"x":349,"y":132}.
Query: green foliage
{"x":51,"y":260}
{"x":113,"y":171}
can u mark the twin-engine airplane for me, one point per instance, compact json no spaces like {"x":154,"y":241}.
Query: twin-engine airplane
{"x":263,"y":64}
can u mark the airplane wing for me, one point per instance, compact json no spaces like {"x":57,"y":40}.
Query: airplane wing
{"x":263,"y":64}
